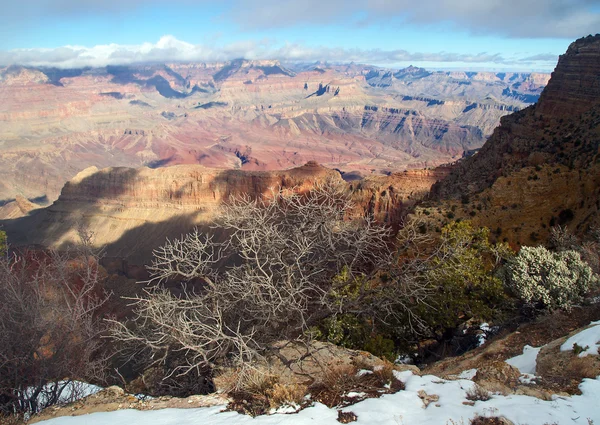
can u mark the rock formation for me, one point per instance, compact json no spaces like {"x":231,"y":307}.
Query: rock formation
{"x":131,"y":211}
{"x":541,"y":166}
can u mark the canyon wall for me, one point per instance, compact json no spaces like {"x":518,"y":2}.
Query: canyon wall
{"x":131,"y":211}
{"x":541,"y":166}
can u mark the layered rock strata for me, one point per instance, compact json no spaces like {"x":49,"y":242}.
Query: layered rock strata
{"x":131,"y":211}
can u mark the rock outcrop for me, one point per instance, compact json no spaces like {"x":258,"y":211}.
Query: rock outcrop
{"x":541,"y":165}
{"x":574,"y":87}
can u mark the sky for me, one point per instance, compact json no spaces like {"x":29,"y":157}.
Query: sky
{"x":500,"y":35}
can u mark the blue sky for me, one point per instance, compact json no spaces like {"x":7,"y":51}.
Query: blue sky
{"x":465,"y":34}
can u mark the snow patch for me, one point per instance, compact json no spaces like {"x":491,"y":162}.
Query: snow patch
{"x":404,"y":359}
{"x":353,"y":394}
{"x":482,"y":337}
{"x":528,"y":379}
{"x":588,"y":339}
{"x":286,"y":409}
{"x":468,"y":374}
{"x":526,"y":362}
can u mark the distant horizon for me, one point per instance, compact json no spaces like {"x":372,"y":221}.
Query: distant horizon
{"x":399,"y":67}
{"x":495,"y":35}
{"x":28,"y":58}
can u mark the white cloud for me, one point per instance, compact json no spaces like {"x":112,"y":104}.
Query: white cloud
{"x":512,"y":18}
{"x":170,"y":49}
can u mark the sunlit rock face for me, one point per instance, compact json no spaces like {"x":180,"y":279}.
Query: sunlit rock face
{"x":541,"y":166}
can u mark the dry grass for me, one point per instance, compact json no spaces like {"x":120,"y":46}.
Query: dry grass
{"x":583,"y":367}
{"x":478,"y":394}
{"x":11,"y":420}
{"x":250,"y":389}
{"x":255,"y":380}
{"x":286,"y":395}
{"x":255,"y":391}
{"x":383,"y":377}
{"x":336,"y":382}
{"x":339,"y":381}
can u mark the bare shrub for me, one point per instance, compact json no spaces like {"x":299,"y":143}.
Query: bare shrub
{"x":50,"y":328}
{"x":488,"y":420}
{"x":561,"y":239}
{"x":269,"y":280}
{"x":346,"y":417}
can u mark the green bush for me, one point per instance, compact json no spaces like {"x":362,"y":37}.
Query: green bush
{"x":552,"y":280}
{"x":463,"y":277}
{"x":2,"y":243}
{"x":345,"y":330}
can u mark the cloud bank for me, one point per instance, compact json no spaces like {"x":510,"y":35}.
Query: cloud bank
{"x":170,"y":49}
{"x":510,"y":18}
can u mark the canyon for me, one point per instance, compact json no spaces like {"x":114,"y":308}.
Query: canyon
{"x":248,"y":115}
{"x":539,"y":168}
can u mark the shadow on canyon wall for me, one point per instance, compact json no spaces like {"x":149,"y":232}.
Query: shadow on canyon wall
{"x":102,"y":203}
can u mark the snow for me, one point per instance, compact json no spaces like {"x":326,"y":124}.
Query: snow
{"x":528,"y":379}
{"x":468,"y":374}
{"x":526,"y":362}
{"x":482,"y":337}
{"x":588,"y":339}
{"x":404,"y":407}
{"x":73,"y":391}
{"x":404,"y":359}
{"x":354,"y":394}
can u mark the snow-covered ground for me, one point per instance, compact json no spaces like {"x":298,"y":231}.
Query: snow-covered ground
{"x":402,"y":408}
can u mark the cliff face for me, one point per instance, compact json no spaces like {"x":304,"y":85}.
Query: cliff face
{"x":180,"y":187}
{"x":574,"y":86}
{"x":562,"y":128}
{"x":131,"y":211}
{"x":550,"y":152}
